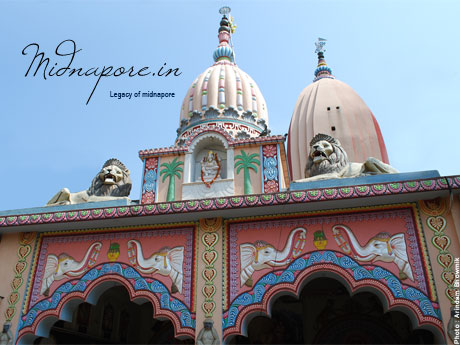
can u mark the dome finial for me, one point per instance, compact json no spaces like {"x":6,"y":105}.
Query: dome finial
{"x":322,"y":70}
{"x":224,"y":51}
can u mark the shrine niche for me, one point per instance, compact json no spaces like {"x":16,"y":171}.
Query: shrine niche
{"x":155,"y":264}
{"x":208,"y":167}
{"x":383,"y":249}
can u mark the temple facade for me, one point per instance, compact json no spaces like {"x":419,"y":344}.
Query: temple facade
{"x":240,"y":237}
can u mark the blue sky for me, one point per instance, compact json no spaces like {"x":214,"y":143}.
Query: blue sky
{"x":400,"y":57}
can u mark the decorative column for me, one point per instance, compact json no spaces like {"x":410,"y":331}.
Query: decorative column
{"x":149,"y":181}
{"x":209,"y":276}
{"x":25,"y":240}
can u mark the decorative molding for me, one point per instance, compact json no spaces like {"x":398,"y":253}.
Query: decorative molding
{"x":25,"y":239}
{"x":270,"y":176}
{"x":437,"y":223}
{"x":150,"y":180}
{"x":210,"y":237}
{"x":284,"y":198}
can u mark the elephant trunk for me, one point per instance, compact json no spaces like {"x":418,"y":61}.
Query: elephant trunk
{"x":362,"y":253}
{"x":144,"y":265}
{"x":82,"y":264}
{"x":282,"y":258}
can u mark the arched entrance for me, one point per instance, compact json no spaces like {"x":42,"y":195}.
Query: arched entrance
{"x":326,"y":313}
{"x":114,"y":319}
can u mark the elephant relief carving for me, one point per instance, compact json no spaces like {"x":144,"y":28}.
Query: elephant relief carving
{"x":382,"y":247}
{"x":167,"y":262}
{"x":260,"y":255}
{"x":58,"y":267}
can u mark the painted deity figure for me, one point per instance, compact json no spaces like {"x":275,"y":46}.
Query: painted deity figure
{"x":210,"y":168}
{"x":208,"y":334}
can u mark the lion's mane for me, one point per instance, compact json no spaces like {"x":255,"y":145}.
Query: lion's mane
{"x":336,"y":161}
{"x":120,"y":189}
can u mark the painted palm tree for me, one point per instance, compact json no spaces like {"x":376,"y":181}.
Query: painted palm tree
{"x":171,"y":170}
{"x":245,"y":162}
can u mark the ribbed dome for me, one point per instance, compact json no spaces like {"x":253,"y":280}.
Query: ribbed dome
{"x":331,"y":107}
{"x":225,"y":96}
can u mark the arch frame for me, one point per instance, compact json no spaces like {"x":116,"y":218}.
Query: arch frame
{"x":44,"y":319}
{"x":390,"y":302}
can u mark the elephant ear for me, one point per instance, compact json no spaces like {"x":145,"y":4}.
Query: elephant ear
{"x":176,"y":258}
{"x":50,"y":271}
{"x":247,"y":255}
{"x":398,"y":244}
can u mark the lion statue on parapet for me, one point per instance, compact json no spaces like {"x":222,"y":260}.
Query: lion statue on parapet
{"x":328,"y":160}
{"x":111,"y":183}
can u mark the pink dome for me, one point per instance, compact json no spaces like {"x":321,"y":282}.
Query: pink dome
{"x":331,"y":107}
{"x":224,"y":96}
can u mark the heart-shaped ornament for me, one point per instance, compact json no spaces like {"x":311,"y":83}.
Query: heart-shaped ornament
{"x":16,"y":283}
{"x":437,"y":224}
{"x":210,"y":257}
{"x":210,"y":240}
{"x":23,"y":251}
{"x":441,"y":242}
{"x":20,"y":267}
{"x":445,"y":260}
{"x":9,"y":313}
{"x":13,"y":298}
{"x":208,"y":308}
{"x":450,"y":293}
{"x":209,"y":274}
{"x":209,"y":291}
{"x":448,"y":277}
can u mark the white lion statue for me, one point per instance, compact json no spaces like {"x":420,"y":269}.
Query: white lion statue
{"x":328,"y":160}
{"x":111,"y":183}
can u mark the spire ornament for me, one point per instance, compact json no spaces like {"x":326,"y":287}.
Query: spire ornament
{"x":322,"y":70}
{"x":224,"y":51}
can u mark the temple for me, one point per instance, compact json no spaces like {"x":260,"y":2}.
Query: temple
{"x":240,"y":237}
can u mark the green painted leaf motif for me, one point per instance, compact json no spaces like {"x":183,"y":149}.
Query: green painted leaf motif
{"x":35,"y":216}
{"x":97,"y":212}
{"x":298,"y":194}
{"x":149,"y":207}
{"x":10,"y":219}
{"x":236,"y":200}
{"x":23,"y":218}
{"x":206,"y":202}
{"x":47,"y":216}
{"x":59,"y":214}
{"x":428,"y":183}
{"x":313,"y":193}
{"x":281,"y":195}
{"x":84,"y":213}
{"x":378,"y":187}
{"x":177,"y":204}
{"x":345,"y":190}
{"x":394,"y":185}
{"x":122,"y":209}
{"x":362,"y":189}
{"x":411,"y":184}
{"x":109,"y":210}
{"x":191,"y":203}
{"x":329,"y":191}
{"x":71,"y":214}
{"x":135,"y":208}
{"x":163,"y":206}
{"x":251,"y":198}
{"x":266,"y":197}
{"x":220,"y":201}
